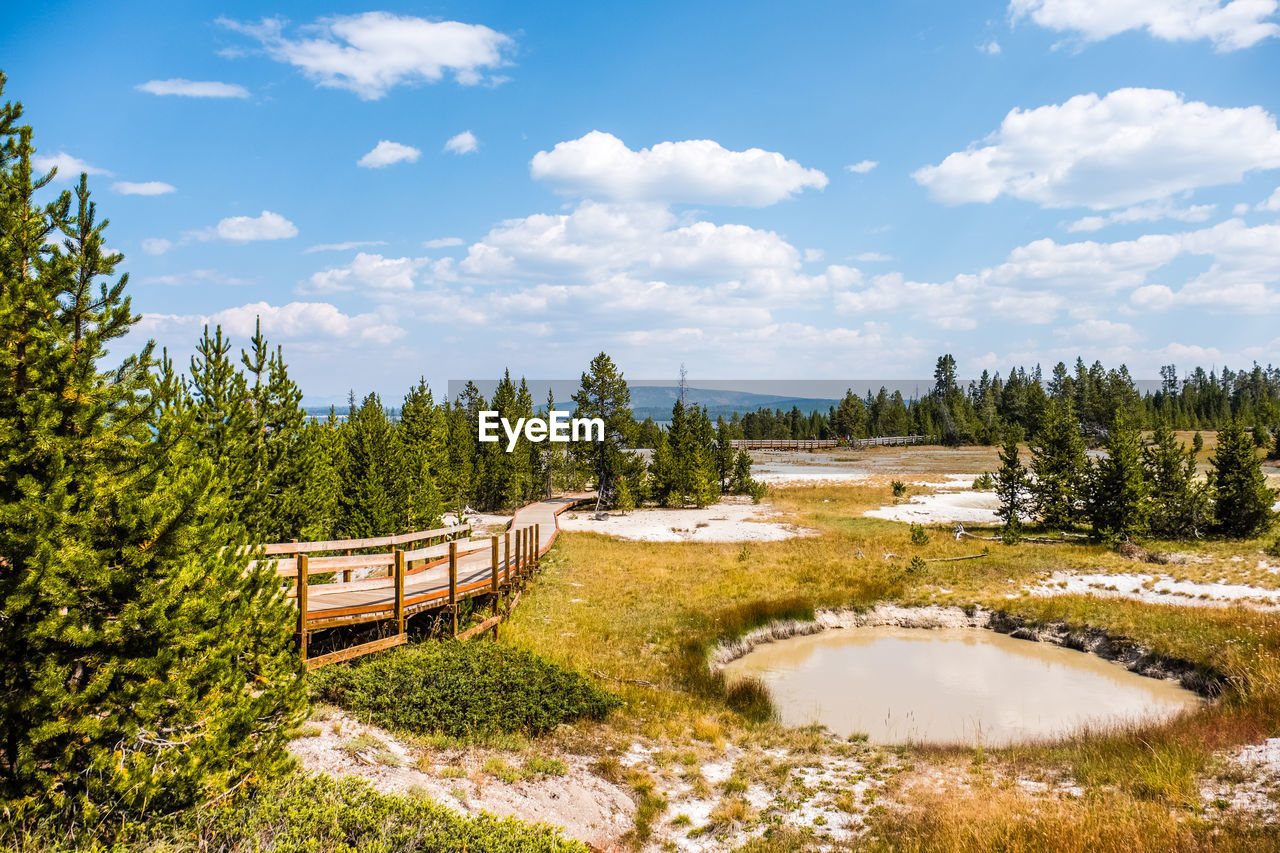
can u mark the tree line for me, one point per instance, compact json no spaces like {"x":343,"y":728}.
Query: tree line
{"x":986,"y":409}
{"x":1135,"y":488}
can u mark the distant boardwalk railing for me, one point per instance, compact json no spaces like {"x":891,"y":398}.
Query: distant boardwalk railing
{"x":820,"y":443}
{"x":447,"y":567}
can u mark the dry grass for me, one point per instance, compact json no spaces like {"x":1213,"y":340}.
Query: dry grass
{"x":642,"y":614}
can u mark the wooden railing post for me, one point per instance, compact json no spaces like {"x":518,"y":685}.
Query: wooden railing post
{"x":528,"y":550}
{"x":506,"y":563}
{"x":520,"y":557}
{"x":494,"y":585}
{"x":346,"y":573}
{"x":301,"y":598}
{"x":537,"y":546}
{"x":399,"y":572}
{"x":453,"y":585}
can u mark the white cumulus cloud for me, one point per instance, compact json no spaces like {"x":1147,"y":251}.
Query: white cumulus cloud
{"x":156,"y":245}
{"x":1272,"y":203}
{"x":698,"y":171}
{"x":373,"y":52}
{"x":1121,"y":149}
{"x":387,"y":152}
{"x":1230,"y":26}
{"x":303,"y":321}
{"x":194,"y":88}
{"x":243,"y":229}
{"x":462,"y":143}
{"x":370,"y":271}
{"x":143,"y":188}
{"x":342,"y":247}
{"x":443,"y":242}
{"x":69,"y":168}
{"x":862,"y":167}
{"x":1152,"y":212}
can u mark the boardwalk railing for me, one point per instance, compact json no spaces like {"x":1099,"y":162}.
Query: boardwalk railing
{"x":820,"y":443}
{"x":349,"y":588}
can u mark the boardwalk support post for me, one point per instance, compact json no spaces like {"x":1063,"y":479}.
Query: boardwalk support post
{"x":399,"y":571}
{"x":537,"y":546}
{"x":520,"y":558}
{"x":495,"y":583}
{"x":453,"y":585}
{"x":302,"y":605}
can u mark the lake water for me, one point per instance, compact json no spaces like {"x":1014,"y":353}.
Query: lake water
{"x":950,"y":685}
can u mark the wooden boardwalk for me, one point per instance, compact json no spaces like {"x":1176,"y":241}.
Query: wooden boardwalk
{"x":821,"y":443}
{"x":403,"y":581}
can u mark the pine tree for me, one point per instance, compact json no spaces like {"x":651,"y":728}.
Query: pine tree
{"x":1241,"y":500}
{"x":850,"y":419}
{"x":122,"y":689}
{"x":225,"y":422}
{"x":1179,"y":505}
{"x":422,"y":443}
{"x":1011,"y":487}
{"x":742,"y":484}
{"x":662,"y":476}
{"x":603,"y":394}
{"x":724,"y":454}
{"x":370,"y":470}
{"x":1118,"y":489}
{"x":625,"y":501}
{"x":1060,"y":466}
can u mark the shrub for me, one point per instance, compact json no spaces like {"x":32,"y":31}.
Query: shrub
{"x":899,"y":488}
{"x":919,"y":536}
{"x":462,"y":690}
{"x":321,"y":813}
{"x":984,"y":482}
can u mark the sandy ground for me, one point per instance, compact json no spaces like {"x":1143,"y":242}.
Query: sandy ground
{"x":954,"y":501}
{"x":732,"y":520}
{"x":824,"y":792}
{"x":829,"y":792}
{"x":1256,"y":795}
{"x":586,"y":806}
{"x":912,"y":464}
{"x":1159,"y":589}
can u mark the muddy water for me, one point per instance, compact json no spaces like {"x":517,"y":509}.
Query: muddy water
{"x":950,"y":685}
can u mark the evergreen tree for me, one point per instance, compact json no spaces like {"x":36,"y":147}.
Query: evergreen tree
{"x":603,"y":394}
{"x":422,"y":441}
{"x":370,"y":470}
{"x":625,"y":502}
{"x":850,"y":418}
{"x":1011,"y":487}
{"x":742,"y":484}
{"x":724,"y":453}
{"x":1179,"y":506}
{"x":1241,"y":500}
{"x":122,"y":691}
{"x":322,"y":441}
{"x":1118,"y":489}
{"x":1060,"y":466}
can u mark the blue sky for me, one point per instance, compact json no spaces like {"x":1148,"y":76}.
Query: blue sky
{"x":1033,"y":179}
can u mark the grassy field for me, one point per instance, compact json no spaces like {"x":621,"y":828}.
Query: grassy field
{"x":641,"y":616}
